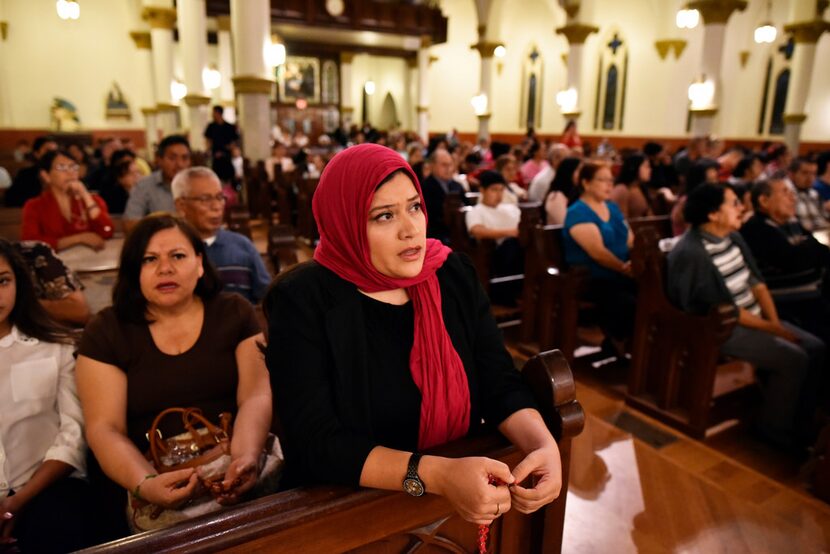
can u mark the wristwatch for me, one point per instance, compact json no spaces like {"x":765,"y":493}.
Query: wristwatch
{"x":412,"y":483}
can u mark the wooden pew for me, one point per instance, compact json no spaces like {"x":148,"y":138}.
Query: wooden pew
{"x":282,"y":246}
{"x":257,"y":190}
{"x":10,"y":221}
{"x":306,"y":226}
{"x":560,"y":289}
{"x":660,"y":223}
{"x":677,"y":375}
{"x":338,"y":519}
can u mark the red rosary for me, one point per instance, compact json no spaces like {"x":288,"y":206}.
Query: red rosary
{"x":484,"y":530}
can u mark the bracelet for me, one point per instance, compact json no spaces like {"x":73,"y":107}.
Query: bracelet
{"x":136,"y":492}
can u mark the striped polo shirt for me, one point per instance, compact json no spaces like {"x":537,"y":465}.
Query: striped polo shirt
{"x":728,"y":258}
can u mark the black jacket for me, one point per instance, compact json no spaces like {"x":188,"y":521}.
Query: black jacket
{"x":26,"y":185}
{"x":434,"y":196}
{"x":319,"y":367}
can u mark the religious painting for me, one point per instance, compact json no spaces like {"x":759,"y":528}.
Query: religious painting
{"x":64,"y":115}
{"x":299,"y":78}
{"x":532,"y":78}
{"x":116,"y":105}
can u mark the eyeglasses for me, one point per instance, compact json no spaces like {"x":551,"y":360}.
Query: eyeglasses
{"x":66,"y":167}
{"x":207,"y":199}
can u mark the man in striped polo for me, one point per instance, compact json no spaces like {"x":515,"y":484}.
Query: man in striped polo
{"x":710,"y":265}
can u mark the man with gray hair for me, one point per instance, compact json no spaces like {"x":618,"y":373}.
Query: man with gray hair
{"x":198,"y":196}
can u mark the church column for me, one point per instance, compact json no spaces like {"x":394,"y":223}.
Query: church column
{"x":486,"y":49}
{"x":411,"y":95}
{"x":251,"y":28}
{"x":576,"y":33}
{"x":223,"y":25}
{"x":5,"y":109}
{"x":346,"y":99}
{"x":143,"y":43}
{"x":162,"y":19}
{"x":193,"y":45}
{"x":423,"y":89}
{"x":704,"y":108}
{"x":806,"y":27}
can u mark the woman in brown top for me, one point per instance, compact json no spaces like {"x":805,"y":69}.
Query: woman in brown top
{"x":171,"y":339}
{"x":630,"y":193}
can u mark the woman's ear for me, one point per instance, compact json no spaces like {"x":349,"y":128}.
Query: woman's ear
{"x":201,"y":266}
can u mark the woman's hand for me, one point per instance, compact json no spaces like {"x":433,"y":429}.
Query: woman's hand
{"x":544,"y":467}
{"x":465,"y":483}
{"x":240,"y":477}
{"x":8,"y":512}
{"x":169,"y":490}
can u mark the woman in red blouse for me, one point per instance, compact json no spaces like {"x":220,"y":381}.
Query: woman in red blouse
{"x":65,"y":214}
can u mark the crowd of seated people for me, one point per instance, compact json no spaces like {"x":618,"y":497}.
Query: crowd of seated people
{"x":172,"y":269}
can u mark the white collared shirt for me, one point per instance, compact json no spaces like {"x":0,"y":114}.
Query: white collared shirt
{"x":40,"y":418}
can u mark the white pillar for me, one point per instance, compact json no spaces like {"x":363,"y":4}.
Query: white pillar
{"x":486,"y":88}
{"x":225,"y":54}
{"x":806,"y":33}
{"x":576,"y":33}
{"x":143,"y":44}
{"x":715,"y":15}
{"x":162,"y":19}
{"x":411,"y":95}
{"x":423,"y":90}
{"x":5,"y":108}
{"x":250,"y":25}
{"x":346,"y":97}
{"x":193,"y":45}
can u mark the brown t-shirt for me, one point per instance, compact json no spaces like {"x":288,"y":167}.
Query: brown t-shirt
{"x":205,"y":376}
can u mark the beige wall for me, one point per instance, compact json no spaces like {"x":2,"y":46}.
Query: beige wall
{"x":44,"y":57}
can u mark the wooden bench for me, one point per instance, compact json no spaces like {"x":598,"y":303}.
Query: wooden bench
{"x":338,"y":519}
{"x":306,"y":225}
{"x":677,"y":375}
{"x":282,"y":247}
{"x":10,"y":222}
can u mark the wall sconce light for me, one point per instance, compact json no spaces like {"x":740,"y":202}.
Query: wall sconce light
{"x":369,"y":88}
{"x":702,"y":94}
{"x":274,"y":52}
{"x":479,"y":103}
{"x":500,"y":52}
{"x":178,"y":90}
{"x":567,"y":100}
{"x":766,"y":32}
{"x":687,"y":19}
{"x":68,"y":9}
{"x":211,"y":78}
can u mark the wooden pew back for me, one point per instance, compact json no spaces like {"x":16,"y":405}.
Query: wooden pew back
{"x":338,"y":519}
{"x":10,"y":221}
{"x":676,"y":374}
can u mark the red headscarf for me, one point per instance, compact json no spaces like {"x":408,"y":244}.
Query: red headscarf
{"x":341,"y":208}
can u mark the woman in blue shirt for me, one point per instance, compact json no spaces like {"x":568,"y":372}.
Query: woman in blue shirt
{"x":598,"y":237}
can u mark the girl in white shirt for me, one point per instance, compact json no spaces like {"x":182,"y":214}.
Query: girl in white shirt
{"x":42,"y":451}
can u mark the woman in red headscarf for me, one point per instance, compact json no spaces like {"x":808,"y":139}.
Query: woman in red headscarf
{"x":384,"y":346}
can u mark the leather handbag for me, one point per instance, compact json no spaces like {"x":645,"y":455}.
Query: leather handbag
{"x":201,"y":444}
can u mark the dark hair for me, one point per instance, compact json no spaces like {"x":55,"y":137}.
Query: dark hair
{"x":822,"y":160}
{"x":798,"y":162}
{"x":28,"y":314}
{"x":45,"y":162}
{"x":630,"y":170}
{"x":764,"y":188}
{"x":218,"y":109}
{"x":41,"y":140}
{"x":489,"y":178}
{"x":743,"y":166}
{"x":121,"y":155}
{"x":171,"y":140}
{"x":563,"y":179}
{"x":127,"y":298}
{"x":697,"y":173}
{"x":652,"y":148}
{"x":122,"y":167}
{"x":498,"y":149}
{"x":503,"y":160}
{"x":702,"y":201}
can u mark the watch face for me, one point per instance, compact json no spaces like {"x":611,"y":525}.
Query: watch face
{"x":335,"y":7}
{"x":413,"y":487}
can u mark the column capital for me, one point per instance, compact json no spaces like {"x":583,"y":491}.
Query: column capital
{"x":223,"y":23}
{"x":794,"y":118}
{"x":4,"y":29}
{"x":576,"y":33}
{"x":717,"y":11}
{"x":162,"y":107}
{"x":807,"y":32}
{"x":426,"y":41}
{"x":485,"y":49}
{"x":484,"y":116}
{"x":670,"y":45}
{"x":704,"y":112}
{"x":141,"y":39}
{"x":196,"y":100}
{"x":346,"y":110}
{"x":422,"y":109}
{"x":252,"y":84}
{"x":347,"y":57}
{"x":159,"y":18}
{"x":572,"y":115}
{"x":147,"y":112}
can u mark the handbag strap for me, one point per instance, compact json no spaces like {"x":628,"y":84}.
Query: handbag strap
{"x":157,"y":445}
{"x":190,"y":417}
